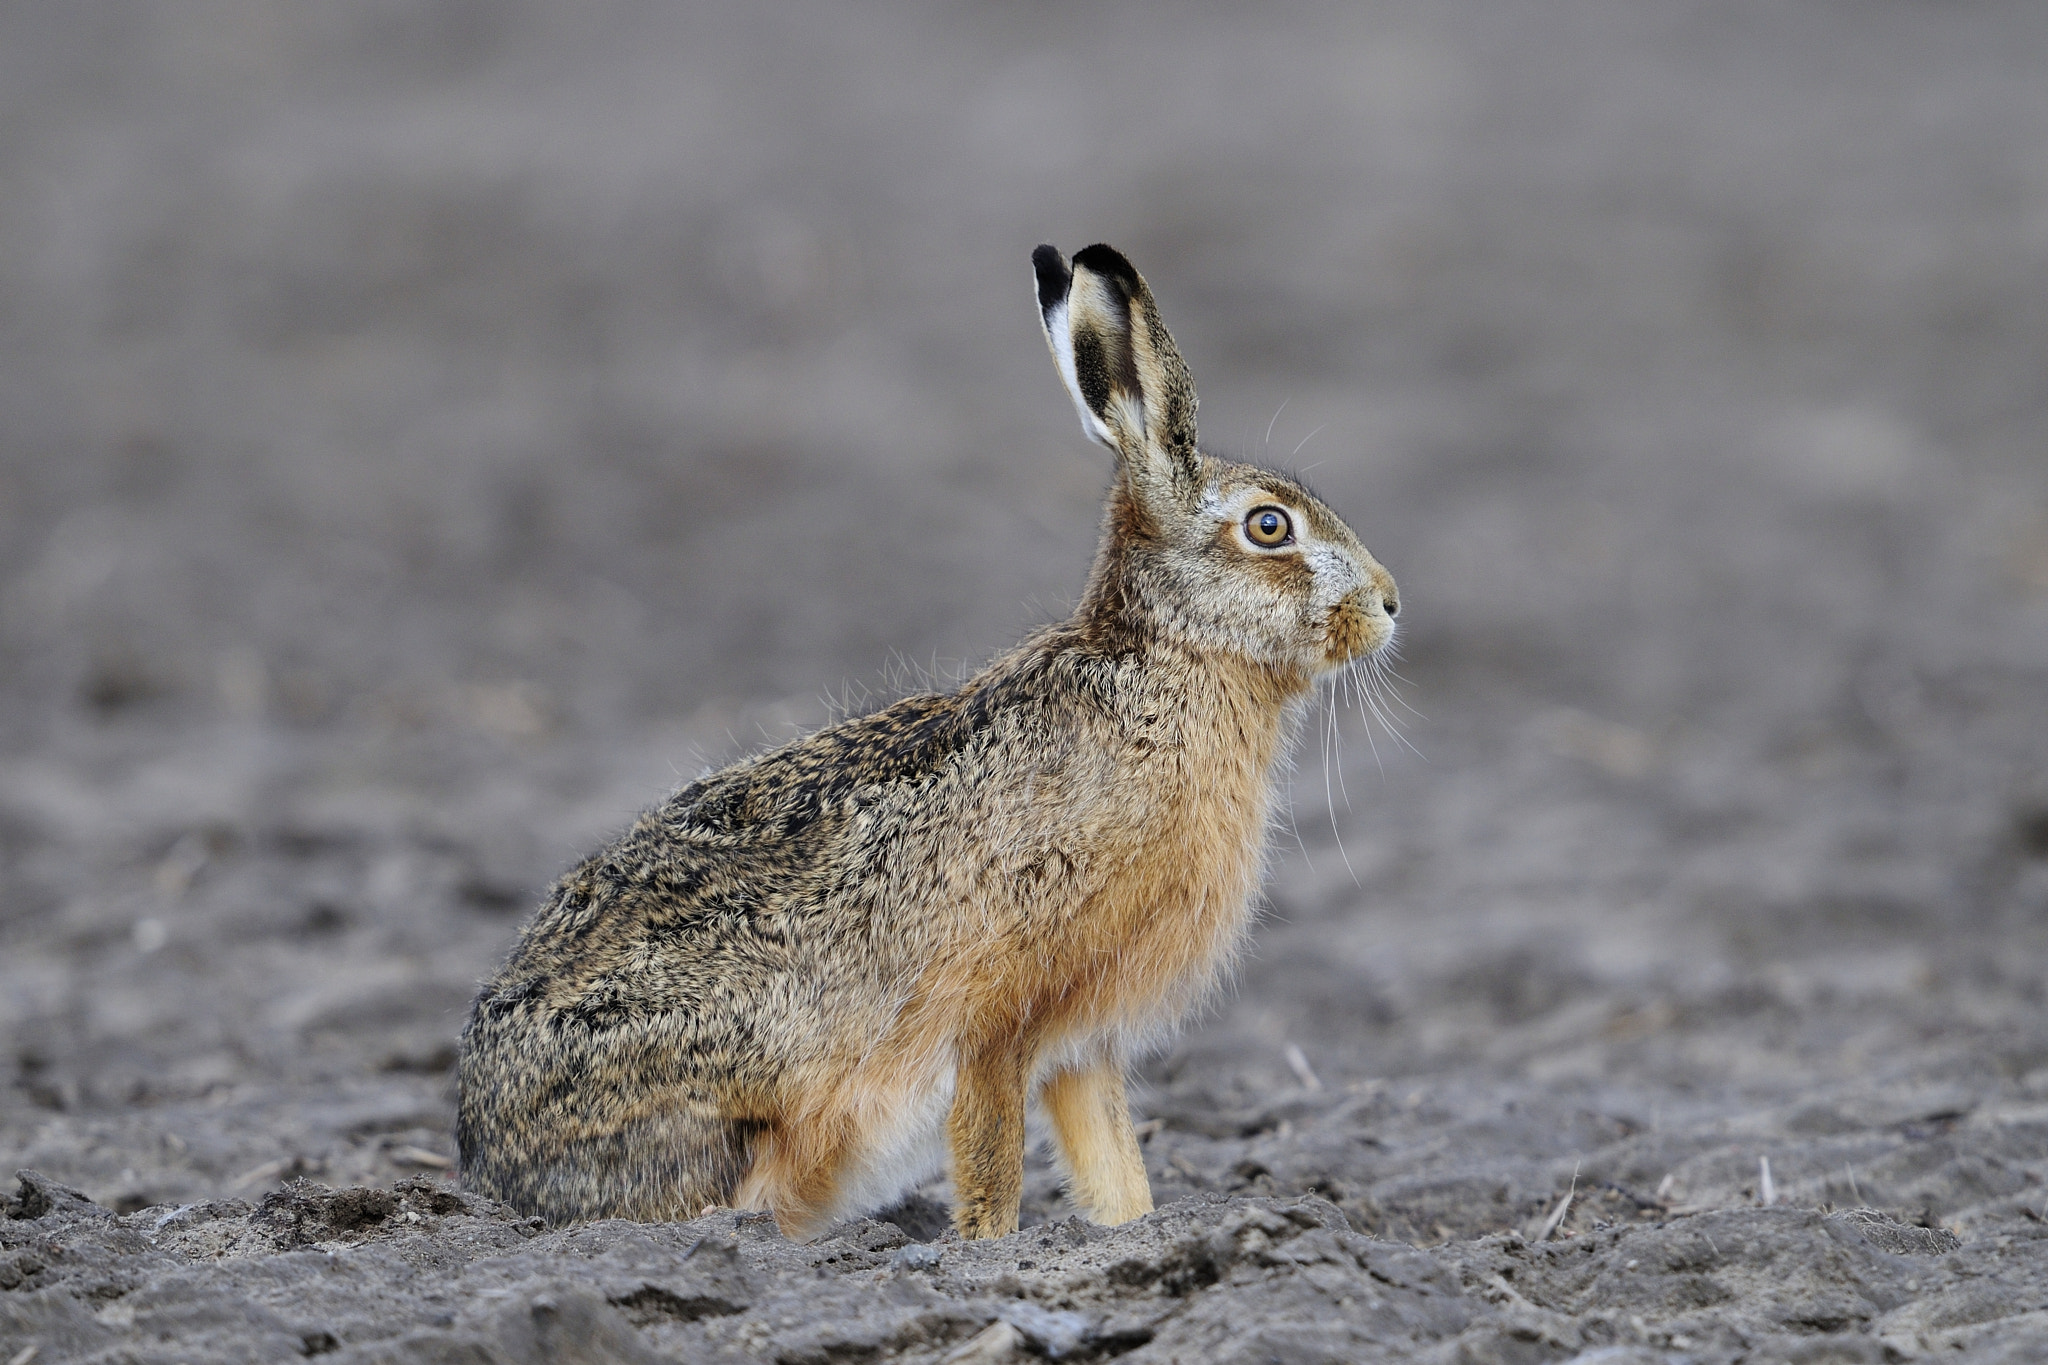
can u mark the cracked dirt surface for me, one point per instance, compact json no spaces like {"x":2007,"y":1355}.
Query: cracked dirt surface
{"x":423,"y":1273}
{"x":436,"y":431}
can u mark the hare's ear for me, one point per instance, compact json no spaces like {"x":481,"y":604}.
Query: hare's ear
{"x":1129,"y":383}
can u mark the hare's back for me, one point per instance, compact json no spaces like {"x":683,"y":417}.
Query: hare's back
{"x":770,"y":867}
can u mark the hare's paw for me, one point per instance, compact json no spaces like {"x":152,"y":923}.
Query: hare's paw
{"x":1091,"y":1120}
{"x":986,"y":1129}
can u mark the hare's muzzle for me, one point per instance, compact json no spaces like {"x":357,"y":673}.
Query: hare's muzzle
{"x":1362,"y":621}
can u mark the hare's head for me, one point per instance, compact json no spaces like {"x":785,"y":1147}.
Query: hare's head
{"x":1229,"y":558}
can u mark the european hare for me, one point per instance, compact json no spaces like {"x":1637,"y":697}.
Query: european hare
{"x":785,"y":983}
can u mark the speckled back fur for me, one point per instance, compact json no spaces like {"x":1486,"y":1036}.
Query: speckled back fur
{"x":803,"y":981}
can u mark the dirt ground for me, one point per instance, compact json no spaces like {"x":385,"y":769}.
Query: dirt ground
{"x":434,"y":431}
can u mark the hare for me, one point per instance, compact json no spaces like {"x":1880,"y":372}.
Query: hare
{"x":803,"y":981}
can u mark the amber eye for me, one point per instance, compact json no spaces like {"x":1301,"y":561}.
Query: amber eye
{"x":1268,"y":527}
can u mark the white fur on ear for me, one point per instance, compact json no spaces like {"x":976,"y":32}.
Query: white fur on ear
{"x":1061,"y":336}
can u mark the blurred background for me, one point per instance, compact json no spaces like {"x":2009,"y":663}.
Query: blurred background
{"x":434,"y":430}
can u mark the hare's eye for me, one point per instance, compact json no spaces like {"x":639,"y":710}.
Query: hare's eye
{"x":1268,"y":527}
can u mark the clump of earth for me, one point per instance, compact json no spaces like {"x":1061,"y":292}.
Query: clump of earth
{"x":434,"y":433}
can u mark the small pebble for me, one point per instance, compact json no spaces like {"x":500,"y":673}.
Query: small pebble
{"x":1055,"y":1333}
{"x":916,"y":1256}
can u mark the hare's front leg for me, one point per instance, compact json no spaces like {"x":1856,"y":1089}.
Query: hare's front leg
{"x":987,"y":1132}
{"x":1092,"y":1121}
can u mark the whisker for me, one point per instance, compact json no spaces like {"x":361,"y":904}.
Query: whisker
{"x":1369,"y":682}
{"x":1276,"y":417}
{"x":1306,"y":439}
{"x":1329,"y":798}
{"x":1376,"y":760}
{"x":1337,"y":695}
{"x":1389,"y":678}
{"x":1376,"y":692}
{"x":1380,"y":714}
{"x":1291,"y":766}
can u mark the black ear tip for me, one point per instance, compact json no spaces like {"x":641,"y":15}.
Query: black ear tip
{"x":1104,"y":259}
{"x":1053,"y":275}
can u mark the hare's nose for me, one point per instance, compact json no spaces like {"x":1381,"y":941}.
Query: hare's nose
{"x":1390,"y":596}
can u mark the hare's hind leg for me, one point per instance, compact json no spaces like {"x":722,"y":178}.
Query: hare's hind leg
{"x":986,"y":1128}
{"x":797,"y":1173}
{"x":1091,"y":1120}
{"x":678,"y":1166}
{"x":669,"y":1165}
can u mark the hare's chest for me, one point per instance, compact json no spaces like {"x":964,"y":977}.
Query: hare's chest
{"x":1178,"y":904}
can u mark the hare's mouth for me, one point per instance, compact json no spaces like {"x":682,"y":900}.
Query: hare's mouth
{"x":1354,"y":629}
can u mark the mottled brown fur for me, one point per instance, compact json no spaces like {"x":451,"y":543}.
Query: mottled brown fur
{"x":780,"y":984}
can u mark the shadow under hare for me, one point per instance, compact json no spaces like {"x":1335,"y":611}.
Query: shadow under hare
{"x":804,"y":981}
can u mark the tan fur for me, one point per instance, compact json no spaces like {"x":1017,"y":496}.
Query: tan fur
{"x":1091,"y":1121}
{"x":789,"y":980}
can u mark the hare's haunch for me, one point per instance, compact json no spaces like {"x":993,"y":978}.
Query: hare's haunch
{"x":802,"y":982}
